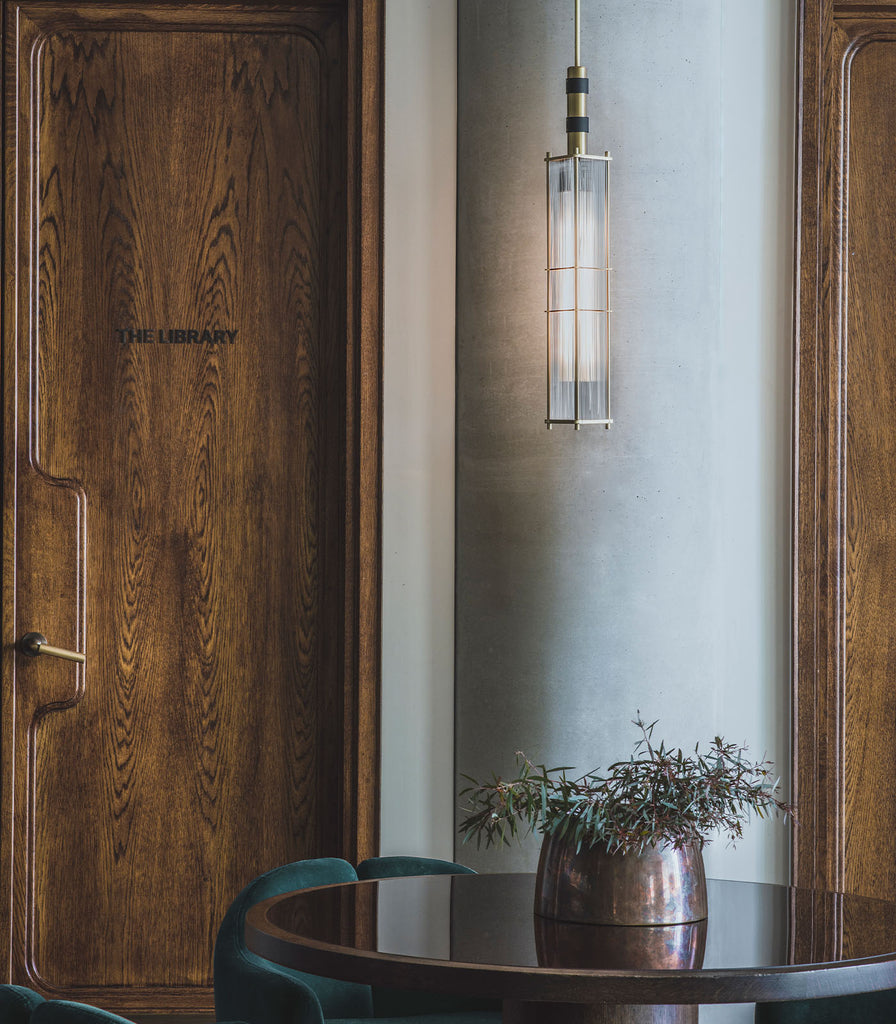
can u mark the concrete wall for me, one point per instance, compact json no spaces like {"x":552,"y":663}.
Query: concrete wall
{"x":646,"y":567}
{"x":418,"y":455}
{"x":600,"y":572}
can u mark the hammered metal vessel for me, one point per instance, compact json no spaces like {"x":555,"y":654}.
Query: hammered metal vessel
{"x":659,"y":886}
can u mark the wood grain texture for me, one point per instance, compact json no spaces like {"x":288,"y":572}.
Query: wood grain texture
{"x":816,"y":740}
{"x":870,"y":536}
{"x":845,"y":379}
{"x":177,"y":508}
{"x":815,"y":927}
{"x":366,"y":125}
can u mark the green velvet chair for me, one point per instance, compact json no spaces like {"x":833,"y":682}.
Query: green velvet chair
{"x":399,"y":867}
{"x":61,"y":1011}
{"x":250,"y":988}
{"x":17,"y":1003}
{"x":390,"y":1002}
{"x":868,"y":1008}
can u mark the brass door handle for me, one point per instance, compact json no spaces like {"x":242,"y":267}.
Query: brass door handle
{"x":34,"y":644}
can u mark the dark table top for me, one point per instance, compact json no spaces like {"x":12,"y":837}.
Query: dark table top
{"x":478,"y":934}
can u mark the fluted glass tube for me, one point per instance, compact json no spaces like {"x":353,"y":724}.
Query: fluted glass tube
{"x":578,"y":290}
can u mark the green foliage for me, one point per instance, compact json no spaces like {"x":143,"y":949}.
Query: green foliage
{"x":658,"y":797}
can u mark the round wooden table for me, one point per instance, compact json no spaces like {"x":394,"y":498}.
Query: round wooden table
{"x":477,"y":935}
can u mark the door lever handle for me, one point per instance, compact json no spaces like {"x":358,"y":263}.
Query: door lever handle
{"x":34,"y":644}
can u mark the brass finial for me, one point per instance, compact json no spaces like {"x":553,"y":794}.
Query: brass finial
{"x":576,"y":94}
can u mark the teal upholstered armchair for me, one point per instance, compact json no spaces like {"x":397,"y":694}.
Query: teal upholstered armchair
{"x":868,"y":1008}
{"x":22,"y":1006}
{"x":17,"y":1004}
{"x":61,"y":1011}
{"x":400,"y":867}
{"x":250,"y":988}
{"x":390,"y":1002}
{"x":254,"y":989}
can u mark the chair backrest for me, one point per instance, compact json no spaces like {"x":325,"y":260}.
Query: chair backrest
{"x":17,"y":1003}
{"x":61,"y":1011}
{"x":395,"y":867}
{"x":239,"y":974}
{"x":865,"y":1008}
{"x":390,"y":1002}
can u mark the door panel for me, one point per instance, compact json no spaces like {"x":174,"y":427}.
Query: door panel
{"x":870,"y":541}
{"x":180,"y":510}
{"x":845,"y":474}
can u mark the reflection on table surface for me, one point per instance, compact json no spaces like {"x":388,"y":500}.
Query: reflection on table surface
{"x":489,"y":919}
{"x":619,"y":948}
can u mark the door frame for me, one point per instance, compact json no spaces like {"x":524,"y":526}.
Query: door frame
{"x":818,"y":426}
{"x":364,"y":430}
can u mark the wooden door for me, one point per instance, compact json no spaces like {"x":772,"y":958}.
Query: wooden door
{"x":191,"y":475}
{"x":845,"y":456}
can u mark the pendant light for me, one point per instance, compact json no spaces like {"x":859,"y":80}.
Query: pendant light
{"x":578,"y":306}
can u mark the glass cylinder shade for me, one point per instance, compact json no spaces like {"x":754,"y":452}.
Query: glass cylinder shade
{"x":578,"y":290}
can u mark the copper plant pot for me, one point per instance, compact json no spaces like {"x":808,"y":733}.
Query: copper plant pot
{"x":659,"y":886}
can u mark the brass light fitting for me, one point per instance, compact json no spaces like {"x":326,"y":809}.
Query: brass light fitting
{"x":578,"y":286}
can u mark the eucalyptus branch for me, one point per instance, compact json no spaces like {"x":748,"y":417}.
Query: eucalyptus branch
{"x":659,"y":797}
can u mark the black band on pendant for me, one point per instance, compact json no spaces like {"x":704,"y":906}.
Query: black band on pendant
{"x":577,"y":85}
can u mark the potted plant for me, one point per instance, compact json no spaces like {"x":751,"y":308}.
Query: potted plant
{"x":625,"y":846}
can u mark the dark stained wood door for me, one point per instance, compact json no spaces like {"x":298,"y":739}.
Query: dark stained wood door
{"x":845,"y":457}
{"x":191,"y":360}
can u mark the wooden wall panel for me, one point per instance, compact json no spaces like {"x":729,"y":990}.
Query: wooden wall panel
{"x":845,"y":470}
{"x":870,"y":456}
{"x":192,"y":324}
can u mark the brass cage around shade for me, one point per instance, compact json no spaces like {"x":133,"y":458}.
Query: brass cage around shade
{"x":578,"y":290}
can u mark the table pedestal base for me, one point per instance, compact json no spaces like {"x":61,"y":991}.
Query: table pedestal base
{"x":515,"y":1012}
